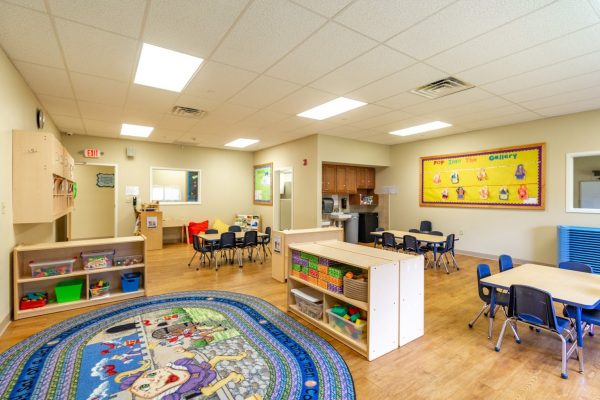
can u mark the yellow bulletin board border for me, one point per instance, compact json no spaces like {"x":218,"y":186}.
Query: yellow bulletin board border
{"x":263,"y":192}
{"x":506,"y":157}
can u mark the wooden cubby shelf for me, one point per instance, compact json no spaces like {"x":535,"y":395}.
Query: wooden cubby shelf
{"x":23,"y":282}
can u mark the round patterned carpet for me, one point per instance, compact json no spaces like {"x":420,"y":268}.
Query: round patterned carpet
{"x":188,"y":345}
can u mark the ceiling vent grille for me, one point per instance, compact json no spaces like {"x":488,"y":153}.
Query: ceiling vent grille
{"x":188,"y":112}
{"x":442,"y":88}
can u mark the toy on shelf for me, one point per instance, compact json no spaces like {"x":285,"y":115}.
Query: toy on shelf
{"x":127,"y":260}
{"x":33,"y":300}
{"x":51,"y":268}
{"x":100,"y":288}
{"x":348,"y":320}
{"x":97,"y":259}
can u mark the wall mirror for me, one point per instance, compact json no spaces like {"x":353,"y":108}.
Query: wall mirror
{"x":175,"y":185}
{"x":583,"y":182}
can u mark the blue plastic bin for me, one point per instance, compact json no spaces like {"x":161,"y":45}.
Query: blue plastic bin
{"x":130,"y":282}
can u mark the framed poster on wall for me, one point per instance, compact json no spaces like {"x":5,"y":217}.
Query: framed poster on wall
{"x":263,"y":184}
{"x":508,"y":177}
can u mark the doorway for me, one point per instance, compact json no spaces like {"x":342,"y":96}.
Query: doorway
{"x":283,"y":196}
{"x":94,"y":214}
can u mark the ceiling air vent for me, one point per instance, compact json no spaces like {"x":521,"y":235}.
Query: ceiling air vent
{"x":188,"y":112}
{"x":442,"y":88}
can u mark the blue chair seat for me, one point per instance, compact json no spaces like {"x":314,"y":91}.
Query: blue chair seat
{"x":591,"y":317}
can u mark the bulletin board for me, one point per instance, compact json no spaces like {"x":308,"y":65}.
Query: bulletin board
{"x":263,"y":184}
{"x":508,"y":177}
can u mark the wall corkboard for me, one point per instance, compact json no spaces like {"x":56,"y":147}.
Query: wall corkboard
{"x":508,"y":177}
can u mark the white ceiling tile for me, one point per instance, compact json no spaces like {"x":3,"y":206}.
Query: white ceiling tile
{"x":301,"y":100}
{"x":95,"y":52}
{"x":140,"y":117}
{"x":263,"y":91}
{"x":493,"y":103}
{"x":574,"y":107}
{"x":383,"y":119}
{"x":563,"y":98}
{"x":33,"y":4}
{"x":174,"y":123}
{"x":289,"y":124}
{"x":46,"y":80}
{"x":402,"y":100}
{"x":227,"y":114}
{"x":166,"y":136}
{"x":190,"y":26}
{"x":359,"y":114}
{"x":27,"y":35}
{"x":596,"y":6}
{"x":405,"y":123}
{"x":99,"y":90}
{"x":566,"y":85}
{"x":197,"y":102}
{"x":319,"y":54}
{"x":496,"y":112}
{"x":503,"y":120}
{"x":69,"y":124}
{"x":326,"y":8}
{"x":343,"y":131}
{"x":381,"y":19}
{"x":453,"y":100}
{"x":564,"y":16}
{"x":123,"y":17}
{"x":218,"y":82}
{"x":262,"y":118}
{"x":566,"y":69}
{"x":410,"y":78}
{"x":566,"y":47}
{"x":373,"y":65}
{"x":150,"y":99}
{"x":266,"y":32}
{"x":59,"y":106}
{"x":459,"y":22}
{"x":102,"y":128}
{"x":100,"y":112}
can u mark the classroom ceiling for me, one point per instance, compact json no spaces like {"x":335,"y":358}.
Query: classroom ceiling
{"x":267,"y":60}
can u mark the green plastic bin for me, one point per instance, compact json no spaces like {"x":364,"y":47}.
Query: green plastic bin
{"x":68,"y":290}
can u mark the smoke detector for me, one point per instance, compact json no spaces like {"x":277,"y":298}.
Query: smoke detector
{"x":442,"y":88}
{"x":188,"y":112}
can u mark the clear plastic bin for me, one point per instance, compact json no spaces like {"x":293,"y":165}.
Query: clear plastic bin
{"x":127,"y":260}
{"x":347,"y":327}
{"x":309,"y":301}
{"x":97,"y":259}
{"x":51,"y":268}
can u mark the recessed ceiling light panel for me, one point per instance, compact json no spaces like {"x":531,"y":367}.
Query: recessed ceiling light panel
{"x":136,"y":130}
{"x":165,"y":69}
{"x":413,"y":130}
{"x":331,"y":108}
{"x":241,"y":143}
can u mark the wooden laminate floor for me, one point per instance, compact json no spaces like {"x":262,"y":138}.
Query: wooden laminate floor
{"x":450,"y":362}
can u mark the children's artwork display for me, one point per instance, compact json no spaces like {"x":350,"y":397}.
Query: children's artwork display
{"x":508,"y":177}
{"x":263,"y":184}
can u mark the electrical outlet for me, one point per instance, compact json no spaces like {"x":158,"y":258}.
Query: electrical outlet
{"x":460,"y":233}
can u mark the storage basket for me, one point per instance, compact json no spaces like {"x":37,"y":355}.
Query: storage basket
{"x":127,"y":260}
{"x":130,"y":282}
{"x":99,"y":291}
{"x":309,"y":301}
{"x":356,"y":289}
{"x":97,"y":259}
{"x":51,"y":268}
{"x":68,"y":290}
{"x":347,"y":327}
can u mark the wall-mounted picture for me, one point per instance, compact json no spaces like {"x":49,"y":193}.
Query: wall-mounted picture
{"x":263,"y":184}
{"x":508,"y":177}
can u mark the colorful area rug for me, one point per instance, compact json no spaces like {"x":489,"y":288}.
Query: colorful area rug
{"x":189,"y":345}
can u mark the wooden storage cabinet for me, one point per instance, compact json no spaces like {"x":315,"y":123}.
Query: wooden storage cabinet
{"x":23,"y":282}
{"x":365,"y":178}
{"x":329,"y":175}
{"x":347,"y":179}
{"x":381,"y":308}
{"x":42,"y":178}
{"x":340,"y":179}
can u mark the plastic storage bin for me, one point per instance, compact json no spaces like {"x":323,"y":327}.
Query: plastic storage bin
{"x":347,"y":327}
{"x":309,"y":301}
{"x":130,"y":282}
{"x":97,"y":259}
{"x":51,"y":268}
{"x":68,"y":290}
{"x":101,"y":291}
{"x":127,"y":260}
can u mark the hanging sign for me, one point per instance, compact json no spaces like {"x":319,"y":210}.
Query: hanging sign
{"x":91,"y":153}
{"x":105,"y":180}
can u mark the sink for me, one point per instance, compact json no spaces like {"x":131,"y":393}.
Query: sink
{"x":340,"y":216}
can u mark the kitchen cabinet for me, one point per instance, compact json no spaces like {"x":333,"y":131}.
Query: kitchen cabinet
{"x":340,"y":179}
{"x":351,"y":180}
{"x":369,"y":178}
{"x":347,"y":179}
{"x":361,"y":177}
{"x":329,"y":175}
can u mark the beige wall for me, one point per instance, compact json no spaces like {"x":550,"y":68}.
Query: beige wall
{"x":347,"y":151}
{"x":17,"y":111}
{"x":91,"y":203}
{"x":304,"y":180}
{"x":226,"y":177}
{"x":526,"y":235}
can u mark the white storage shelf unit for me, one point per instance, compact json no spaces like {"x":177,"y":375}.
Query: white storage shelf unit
{"x":381,"y":309}
{"x":23,"y":281}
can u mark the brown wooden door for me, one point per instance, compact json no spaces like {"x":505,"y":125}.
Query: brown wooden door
{"x":370,"y":178}
{"x":351,"y":179}
{"x":328,"y":178}
{"x":340,"y":179}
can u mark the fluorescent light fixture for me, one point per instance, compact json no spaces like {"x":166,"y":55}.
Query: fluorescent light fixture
{"x":165,"y":69}
{"x":241,"y":143}
{"x":136,"y":130}
{"x":331,"y":108}
{"x":413,"y":130}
